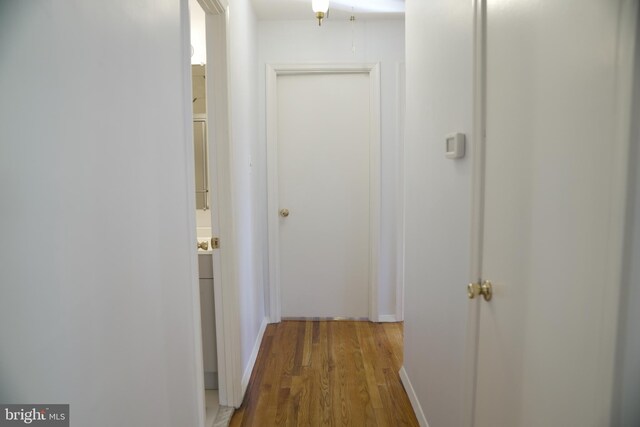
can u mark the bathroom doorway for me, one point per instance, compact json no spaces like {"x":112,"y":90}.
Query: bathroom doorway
{"x":204,"y":212}
{"x":217,"y":303}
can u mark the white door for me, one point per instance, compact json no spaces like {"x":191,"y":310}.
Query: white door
{"x":552,"y":225}
{"x":323,"y":182}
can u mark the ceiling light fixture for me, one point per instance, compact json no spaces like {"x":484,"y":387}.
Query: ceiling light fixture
{"x":320,"y":7}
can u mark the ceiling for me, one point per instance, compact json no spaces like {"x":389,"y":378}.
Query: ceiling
{"x":338,"y":9}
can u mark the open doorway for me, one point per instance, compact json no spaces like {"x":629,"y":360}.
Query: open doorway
{"x":206,"y":242}
{"x":213,"y":208}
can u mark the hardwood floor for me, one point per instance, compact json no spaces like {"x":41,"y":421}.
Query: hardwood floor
{"x":335,"y":373}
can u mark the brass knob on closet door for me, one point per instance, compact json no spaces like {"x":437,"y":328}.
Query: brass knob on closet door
{"x":485,"y":289}
{"x":284,"y":213}
{"x":473,"y":290}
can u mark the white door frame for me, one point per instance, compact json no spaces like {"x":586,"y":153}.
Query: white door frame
{"x":221,"y":190}
{"x":190,"y":191}
{"x":273,"y":71}
{"x":477,"y":149}
{"x":400,"y":190}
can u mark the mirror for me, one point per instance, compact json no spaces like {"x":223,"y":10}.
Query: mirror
{"x":200,"y":150}
{"x":201,"y":162}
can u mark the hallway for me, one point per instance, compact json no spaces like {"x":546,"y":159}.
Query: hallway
{"x":497,"y":210}
{"x":327,"y":373}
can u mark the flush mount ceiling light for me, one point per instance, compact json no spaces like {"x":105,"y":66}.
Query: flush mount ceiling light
{"x":320,"y":7}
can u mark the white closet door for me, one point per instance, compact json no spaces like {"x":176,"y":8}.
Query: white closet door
{"x":553,"y":229}
{"x":323,"y":178}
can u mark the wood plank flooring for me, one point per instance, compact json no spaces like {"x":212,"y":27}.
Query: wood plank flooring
{"x":327,"y":373}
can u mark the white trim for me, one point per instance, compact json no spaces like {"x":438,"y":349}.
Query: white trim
{"x":300,"y":69}
{"x":254,"y":356}
{"x":272,"y":73}
{"x":326,"y":319}
{"x":400,"y":194}
{"x":187,"y":111}
{"x":374,"y":191}
{"x":212,"y":7}
{"x":621,"y":186}
{"x":477,"y":153}
{"x":222,"y":225}
{"x":413,"y":398}
{"x":272,"y":195}
{"x":477,"y":146}
{"x":382,"y":318}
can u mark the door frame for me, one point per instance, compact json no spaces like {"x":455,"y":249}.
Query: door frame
{"x":221,"y":189}
{"x":272,"y":73}
{"x":401,"y":98}
{"x":190,"y":204}
{"x":478,"y":138}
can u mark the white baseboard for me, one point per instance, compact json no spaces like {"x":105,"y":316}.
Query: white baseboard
{"x":387,"y":318}
{"x":252,"y":359}
{"x":413,"y":398}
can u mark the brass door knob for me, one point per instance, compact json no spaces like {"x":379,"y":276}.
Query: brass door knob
{"x":215,"y":243}
{"x":203,"y":245}
{"x":284,"y":213}
{"x":485,"y":289}
{"x":473,"y":290}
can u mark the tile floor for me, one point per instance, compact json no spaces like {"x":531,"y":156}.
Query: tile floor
{"x":212,"y":406}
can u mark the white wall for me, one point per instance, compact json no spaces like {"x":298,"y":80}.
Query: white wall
{"x":375,"y":41}
{"x":97,"y":263}
{"x":439,"y":38}
{"x":198,"y":33}
{"x":243,"y":54}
